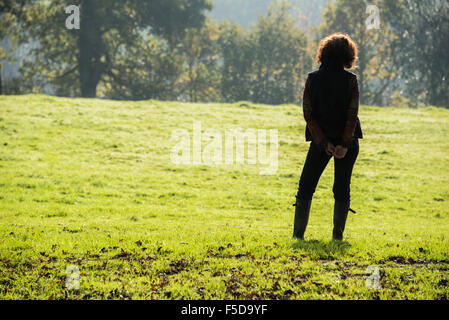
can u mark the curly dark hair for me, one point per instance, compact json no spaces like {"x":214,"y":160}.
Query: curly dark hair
{"x":338,"y":48}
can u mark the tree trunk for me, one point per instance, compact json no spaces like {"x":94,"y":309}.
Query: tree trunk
{"x":90,"y":49}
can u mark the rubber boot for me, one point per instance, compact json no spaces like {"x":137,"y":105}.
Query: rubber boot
{"x":340,"y":214}
{"x":302,"y":210}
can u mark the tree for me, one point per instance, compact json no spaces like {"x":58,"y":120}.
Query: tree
{"x":10,"y":12}
{"x":281,"y":59}
{"x":269,"y":62}
{"x":88,"y":54}
{"x":202,"y":77}
{"x":237,"y":53}
{"x":422,"y":32}
{"x":150,"y":69}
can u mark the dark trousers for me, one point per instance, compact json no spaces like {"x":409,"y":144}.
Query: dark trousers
{"x":314,"y":166}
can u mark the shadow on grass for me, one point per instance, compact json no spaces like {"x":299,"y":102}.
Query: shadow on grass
{"x":320,"y":249}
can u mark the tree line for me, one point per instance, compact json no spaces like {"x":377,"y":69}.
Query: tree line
{"x":171,"y":50}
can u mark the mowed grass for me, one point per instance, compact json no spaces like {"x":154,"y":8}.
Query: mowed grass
{"x":90,"y":183}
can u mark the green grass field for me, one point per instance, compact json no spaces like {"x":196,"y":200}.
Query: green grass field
{"x":89,"y":183}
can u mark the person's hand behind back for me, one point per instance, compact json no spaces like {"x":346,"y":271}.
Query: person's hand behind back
{"x":340,"y":152}
{"x":330,"y":149}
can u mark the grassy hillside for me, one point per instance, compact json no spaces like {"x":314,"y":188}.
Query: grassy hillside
{"x":90,"y":184}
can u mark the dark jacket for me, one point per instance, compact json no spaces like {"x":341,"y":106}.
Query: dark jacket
{"x":330,"y":104}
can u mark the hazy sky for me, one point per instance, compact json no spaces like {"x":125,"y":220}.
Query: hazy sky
{"x":246,"y":12}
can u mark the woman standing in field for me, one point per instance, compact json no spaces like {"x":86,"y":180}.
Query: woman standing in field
{"x":330,"y":105}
